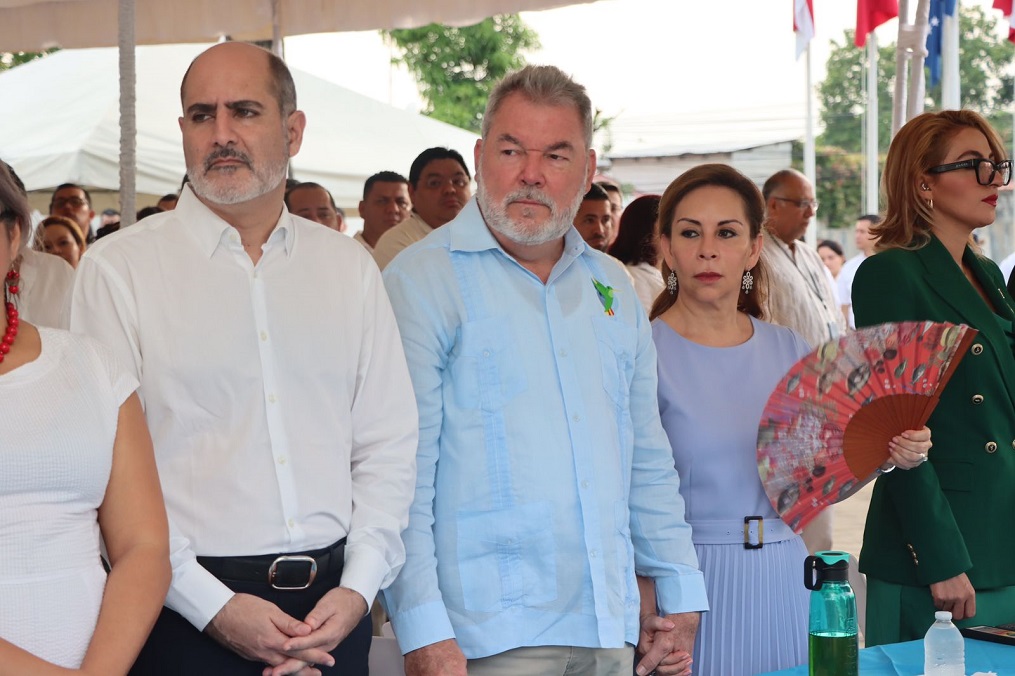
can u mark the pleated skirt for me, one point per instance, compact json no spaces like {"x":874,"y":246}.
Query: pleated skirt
{"x":759,"y":607}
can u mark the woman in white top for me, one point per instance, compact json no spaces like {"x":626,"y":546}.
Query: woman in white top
{"x":636,"y":248}
{"x":76,"y":461}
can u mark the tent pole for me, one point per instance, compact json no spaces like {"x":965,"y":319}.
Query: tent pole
{"x":276,"y":29}
{"x":128,"y":113}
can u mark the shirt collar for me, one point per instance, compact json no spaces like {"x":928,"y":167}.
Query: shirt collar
{"x":211,"y":231}
{"x":469,"y":232}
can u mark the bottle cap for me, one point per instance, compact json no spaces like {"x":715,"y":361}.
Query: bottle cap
{"x":943,"y":616}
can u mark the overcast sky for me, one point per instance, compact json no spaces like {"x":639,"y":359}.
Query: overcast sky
{"x":660,"y":65}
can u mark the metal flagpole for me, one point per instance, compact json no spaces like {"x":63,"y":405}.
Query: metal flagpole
{"x":950,"y":85}
{"x":902,"y":57}
{"x":917,"y":91}
{"x":810,"y":161}
{"x":872,"y":124}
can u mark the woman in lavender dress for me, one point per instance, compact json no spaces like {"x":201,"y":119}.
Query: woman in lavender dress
{"x":718,"y":363}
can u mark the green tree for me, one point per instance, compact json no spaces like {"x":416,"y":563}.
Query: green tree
{"x":984,"y":70}
{"x":839,"y":175}
{"x":9,"y":60}
{"x":456,"y":68}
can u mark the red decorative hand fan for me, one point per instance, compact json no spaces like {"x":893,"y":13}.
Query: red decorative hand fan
{"x":827,"y":425}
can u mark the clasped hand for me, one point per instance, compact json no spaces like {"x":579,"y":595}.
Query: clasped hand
{"x":665,"y":644}
{"x":259,"y":631}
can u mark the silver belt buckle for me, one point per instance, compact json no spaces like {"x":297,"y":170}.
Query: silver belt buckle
{"x":273,"y":569}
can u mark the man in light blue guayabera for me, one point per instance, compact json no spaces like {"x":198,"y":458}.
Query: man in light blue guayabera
{"x":546,"y":482}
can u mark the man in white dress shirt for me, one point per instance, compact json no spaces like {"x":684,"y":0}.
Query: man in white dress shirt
{"x":275,"y":387}
{"x":801,"y":293}
{"x":865,"y":244}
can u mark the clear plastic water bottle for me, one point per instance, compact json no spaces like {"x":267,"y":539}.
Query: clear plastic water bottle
{"x":832,"y":644}
{"x":944,"y":652}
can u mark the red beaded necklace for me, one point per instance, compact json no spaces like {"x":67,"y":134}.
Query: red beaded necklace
{"x":12,"y":316}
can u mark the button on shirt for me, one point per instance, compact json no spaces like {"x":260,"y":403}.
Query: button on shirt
{"x":545,"y":480}
{"x":277,"y":394}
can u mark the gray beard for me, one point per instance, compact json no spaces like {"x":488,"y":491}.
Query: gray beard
{"x":262,"y":180}
{"x":498,"y":219}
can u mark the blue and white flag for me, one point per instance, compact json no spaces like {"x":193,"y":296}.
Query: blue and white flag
{"x":939,"y":9}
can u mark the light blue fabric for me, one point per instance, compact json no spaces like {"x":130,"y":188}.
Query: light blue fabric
{"x":711,"y":401}
{"x":545,"y":479}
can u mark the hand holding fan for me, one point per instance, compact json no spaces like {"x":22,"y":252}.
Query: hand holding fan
{"x":828,"y":423}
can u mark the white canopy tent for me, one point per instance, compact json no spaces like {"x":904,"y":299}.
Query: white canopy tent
{"x":66,"y":125}
{"x":27,"y":25}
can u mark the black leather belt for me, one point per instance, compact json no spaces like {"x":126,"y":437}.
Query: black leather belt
{"x":293,"y":571}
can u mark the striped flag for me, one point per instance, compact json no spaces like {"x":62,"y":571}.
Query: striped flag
{"x":803,"y":24}
{"x":1006,"y":8}
{"x":870,"y":14}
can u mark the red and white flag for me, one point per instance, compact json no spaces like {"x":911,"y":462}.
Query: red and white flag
{"x":870,"y":14}
{"x":803,"y":24}
{"x":1006,"y":8}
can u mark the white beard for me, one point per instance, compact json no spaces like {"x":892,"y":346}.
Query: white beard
{"x":520,"y":232}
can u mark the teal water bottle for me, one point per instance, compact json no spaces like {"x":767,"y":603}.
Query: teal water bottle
{"x":833,"y":645}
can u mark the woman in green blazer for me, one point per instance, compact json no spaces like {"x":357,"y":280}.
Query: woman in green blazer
{"x":942,"y":536}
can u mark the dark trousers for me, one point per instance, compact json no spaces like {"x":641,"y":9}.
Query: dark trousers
{"x":177,"y":648}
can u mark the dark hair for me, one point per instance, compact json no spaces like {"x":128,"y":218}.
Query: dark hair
{"x":431,"y":155}
{"x":873,"y":218}
{"x":610,"y":186}
{"x":596,"y":193}
{"x":636,"y":236}
{"x":169,"y":196}
{"x":282,"y":83}
{"x":384,"y":177}
{"x":148,"y":211}
{"x":310,"y":184}
{"x":723,"y":176}
{"x":833,"y":245}
{"x":64,"y":186}
{"x":14,"y":211}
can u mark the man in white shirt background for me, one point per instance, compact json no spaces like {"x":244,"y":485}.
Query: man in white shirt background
{"x":801,"y":291}
{"x":275,"y":387}
{"x":865,"y":244}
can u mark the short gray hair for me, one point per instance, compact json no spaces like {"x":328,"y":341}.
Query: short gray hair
{"x":545,"y":85}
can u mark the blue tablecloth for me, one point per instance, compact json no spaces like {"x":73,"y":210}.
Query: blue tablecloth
{"x":906,"y":659}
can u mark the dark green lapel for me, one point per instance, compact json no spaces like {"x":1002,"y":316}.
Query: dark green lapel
{"x":947,"y":280}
